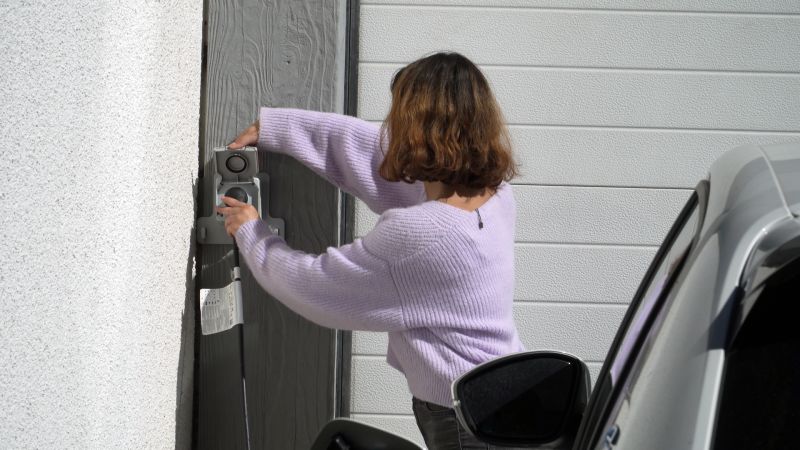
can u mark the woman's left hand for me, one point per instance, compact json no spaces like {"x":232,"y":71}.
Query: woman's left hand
{"x":247,"y":137}
{"x":236,"y":214}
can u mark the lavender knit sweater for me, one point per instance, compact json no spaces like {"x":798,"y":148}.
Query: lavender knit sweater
{"x":427,"y":274}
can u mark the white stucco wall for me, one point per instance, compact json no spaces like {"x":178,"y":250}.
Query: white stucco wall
{"x":616,"y":110}
{"x":99,"y":105}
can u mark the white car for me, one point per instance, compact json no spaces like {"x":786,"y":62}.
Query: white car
{"x":708,"y":355}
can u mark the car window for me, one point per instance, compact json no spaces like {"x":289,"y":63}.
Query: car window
{"x":626,"y":362}
{"x":760,"y":391}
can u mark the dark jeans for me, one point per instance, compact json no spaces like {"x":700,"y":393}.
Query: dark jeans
{"x":440,"y":428}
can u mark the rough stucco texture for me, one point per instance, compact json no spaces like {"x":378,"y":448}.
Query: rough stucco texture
{"x":99,"y":138}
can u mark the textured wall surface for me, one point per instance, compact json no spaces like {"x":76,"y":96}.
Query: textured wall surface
{"x":616,"y":109}
{"x":99,"y":139}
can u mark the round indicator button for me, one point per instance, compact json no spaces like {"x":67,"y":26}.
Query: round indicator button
{"x":236,"y":163}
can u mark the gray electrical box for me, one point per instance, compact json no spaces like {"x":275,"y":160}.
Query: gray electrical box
{"x":235,"y":175}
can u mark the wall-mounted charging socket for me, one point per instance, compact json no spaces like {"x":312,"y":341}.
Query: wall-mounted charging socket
{"x":235,"y":175}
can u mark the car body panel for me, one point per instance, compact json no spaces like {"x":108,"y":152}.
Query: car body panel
{"x":786,"y":165}
{"x":745,"y":202}
{"x":754,"y":193}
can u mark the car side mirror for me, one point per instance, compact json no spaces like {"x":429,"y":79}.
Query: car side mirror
{"x":531,"y":399}
{"x":346,"y":434}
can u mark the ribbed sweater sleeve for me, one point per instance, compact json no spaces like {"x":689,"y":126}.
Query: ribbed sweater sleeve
{"x":344,"y":150}
{"x":346,"y":287}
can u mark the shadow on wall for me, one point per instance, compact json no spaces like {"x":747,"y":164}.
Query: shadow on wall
{"x":185,"y":389}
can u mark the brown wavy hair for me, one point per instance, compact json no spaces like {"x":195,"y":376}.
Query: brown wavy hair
{"x":444,"y":125}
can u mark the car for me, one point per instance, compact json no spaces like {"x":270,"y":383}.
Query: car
{"x":708,"y":354}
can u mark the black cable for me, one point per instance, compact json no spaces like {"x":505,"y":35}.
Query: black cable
{"x":238,"y":279}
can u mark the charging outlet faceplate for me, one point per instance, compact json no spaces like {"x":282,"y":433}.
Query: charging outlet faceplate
{"x":236,"y":175}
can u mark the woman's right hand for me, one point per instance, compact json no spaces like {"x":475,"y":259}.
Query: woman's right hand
{"x":247,"y":137}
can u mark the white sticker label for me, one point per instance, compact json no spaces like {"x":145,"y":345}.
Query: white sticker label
{"x":219,"y":310}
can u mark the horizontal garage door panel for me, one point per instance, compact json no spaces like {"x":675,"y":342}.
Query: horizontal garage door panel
{"x":582,"y":38}
{"x":622,"y":98}
{"x":583,"y":215}
{"x":581,"y":274}
{"x":736,"y":6}
{"x":624,"y":157}
{"x":573,"y":155}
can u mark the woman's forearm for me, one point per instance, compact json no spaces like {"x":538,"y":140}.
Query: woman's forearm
{"x":344,"y":150}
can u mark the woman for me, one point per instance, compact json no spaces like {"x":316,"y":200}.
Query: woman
{"x":437,"y":272}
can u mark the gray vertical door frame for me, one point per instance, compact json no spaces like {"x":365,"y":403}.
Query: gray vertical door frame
{"x":347,"y":234}
{"x":277,"y":53}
